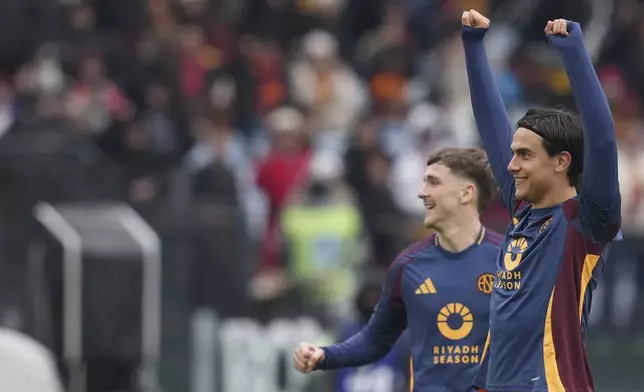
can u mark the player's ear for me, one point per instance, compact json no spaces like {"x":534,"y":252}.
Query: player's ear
{"x":467,"y":194}
{"x":563,"y":161}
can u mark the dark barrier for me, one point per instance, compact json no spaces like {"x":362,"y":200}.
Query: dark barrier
{"x":101,"y":272}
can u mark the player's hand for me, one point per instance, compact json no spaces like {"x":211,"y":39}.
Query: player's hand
{"x":473,"y":18}
{"x":563,"y":32}
{"x":306,"y":357}
{"x":558,"y":26}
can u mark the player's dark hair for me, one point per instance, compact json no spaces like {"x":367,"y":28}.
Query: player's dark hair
{"x":561,"y":131}
{"x":473,"y":164}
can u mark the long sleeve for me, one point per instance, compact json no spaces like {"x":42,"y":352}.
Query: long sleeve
{"x":599,"y":196}
{"x":376,"y":339}
{"x":489,"y":112}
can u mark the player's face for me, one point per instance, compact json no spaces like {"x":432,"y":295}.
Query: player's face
{"x":533,"y":169}
{"x":441,"y":193}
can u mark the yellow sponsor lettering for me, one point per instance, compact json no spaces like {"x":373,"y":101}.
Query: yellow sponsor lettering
{"x":454,"y":355}
{"x":508,"y":275}
{"x":512,"y":285}
{"x":508,"y":280}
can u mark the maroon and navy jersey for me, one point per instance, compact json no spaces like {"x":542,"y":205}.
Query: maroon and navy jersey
{"x":546,"y":273}
{"x":550,"y":258}
{"x":443,"y":300}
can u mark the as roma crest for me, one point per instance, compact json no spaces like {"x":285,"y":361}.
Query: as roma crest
{"x":485,"y":283}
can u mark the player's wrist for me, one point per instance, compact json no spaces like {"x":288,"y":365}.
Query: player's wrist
{"x":473,"y":33}
{"x":321,"y":365}
{"x":574,"y":45}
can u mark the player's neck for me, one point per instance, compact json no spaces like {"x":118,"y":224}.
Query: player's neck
{"x":459,"y":234}
{"x":556,"y":196}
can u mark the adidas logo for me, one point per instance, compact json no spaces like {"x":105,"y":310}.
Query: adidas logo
{"x":426,"y":288}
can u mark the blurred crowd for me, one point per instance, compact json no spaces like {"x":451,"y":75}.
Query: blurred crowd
{"x":312,"y":120}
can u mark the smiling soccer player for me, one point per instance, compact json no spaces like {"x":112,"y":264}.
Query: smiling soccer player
{"x":438,"y":288}
{"x":557,"y":174}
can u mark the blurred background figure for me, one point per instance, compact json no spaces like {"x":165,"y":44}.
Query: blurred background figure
{"x":281,"y":172}
{"x":324,"y":85}
{"x":274,"y":148}
{"x":26,"y":364}
{"x":322,"y":233}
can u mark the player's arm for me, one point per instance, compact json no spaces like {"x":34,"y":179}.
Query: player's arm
{"x":373,"y":342}
{"x":487,"y":104}
{"x":599,"y":197}
{"x":376,"y":339}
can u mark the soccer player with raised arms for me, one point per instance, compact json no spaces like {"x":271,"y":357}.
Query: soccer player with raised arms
{"x":438,"y":288}
{"x":557,"y":175}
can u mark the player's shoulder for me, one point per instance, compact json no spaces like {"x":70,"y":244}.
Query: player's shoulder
{"x":414,"y":251}
{"x":581,"y":220}
{"x":570,"y":208}
{"x":490,"y":246}
{"x":492,"y":239}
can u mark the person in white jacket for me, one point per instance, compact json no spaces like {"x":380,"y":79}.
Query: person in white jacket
{"x":26,"y":365}
{"x":321,"y":82}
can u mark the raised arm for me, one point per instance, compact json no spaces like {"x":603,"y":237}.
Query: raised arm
{"x":599,"y":197}
{"x":376,"y":339}
{"x":487,"y":104}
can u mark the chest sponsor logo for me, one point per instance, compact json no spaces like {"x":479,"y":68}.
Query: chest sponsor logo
{"x":455,"y":322}
{"x":514,"y":253}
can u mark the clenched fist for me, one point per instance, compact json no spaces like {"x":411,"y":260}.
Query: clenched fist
{"x":558,"y":26}
{"x":306,"y":357}
{"x":564,"y":33}
{"x":473,"y":18}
